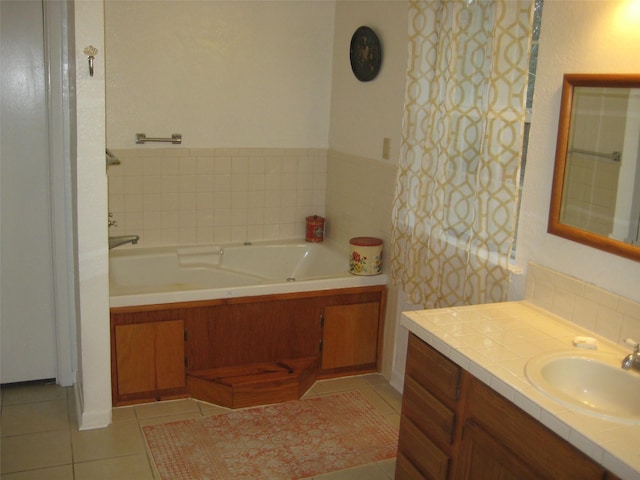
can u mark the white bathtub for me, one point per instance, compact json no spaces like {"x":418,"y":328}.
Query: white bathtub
{"x":154,"y":275}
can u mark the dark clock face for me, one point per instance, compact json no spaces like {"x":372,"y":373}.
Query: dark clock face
{"x":365,"y":54}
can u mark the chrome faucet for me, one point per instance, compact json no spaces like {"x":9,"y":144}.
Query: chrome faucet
{"x":122,"y":240}
{"x":111,"y":223}
{"x":632,"y":361}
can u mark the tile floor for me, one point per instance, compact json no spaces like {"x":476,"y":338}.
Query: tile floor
{"x":39,"y":437}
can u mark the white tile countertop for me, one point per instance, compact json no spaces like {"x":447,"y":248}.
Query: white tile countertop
{"x":495,"y":341}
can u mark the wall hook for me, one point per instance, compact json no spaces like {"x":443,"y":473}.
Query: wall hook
{"x":91,"y":51}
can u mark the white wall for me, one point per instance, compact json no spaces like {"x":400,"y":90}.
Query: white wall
{"x":221,"y":73}
{"x":94,"y":371}
{"x":364,"y":113}
{"x":584,"y":37}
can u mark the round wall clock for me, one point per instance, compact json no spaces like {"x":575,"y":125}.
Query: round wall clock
{"x":365,"y":54}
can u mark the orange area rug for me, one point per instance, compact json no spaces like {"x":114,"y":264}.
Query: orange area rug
{"x":289,"y":440}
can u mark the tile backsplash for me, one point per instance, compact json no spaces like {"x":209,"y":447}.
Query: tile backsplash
{"x":175,"y":196}
{"x":607,"y":314}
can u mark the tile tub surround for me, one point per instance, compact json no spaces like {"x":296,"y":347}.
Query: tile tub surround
{"x":494,"y":342}
{"x":173,"y":196}
{"x":359,"y":198}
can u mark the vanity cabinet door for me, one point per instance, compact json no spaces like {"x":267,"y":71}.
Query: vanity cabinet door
{"x":479,"y":452}
{"x":350,"y":335}
{"x":526,"y":441}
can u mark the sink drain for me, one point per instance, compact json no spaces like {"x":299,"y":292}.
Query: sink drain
{"x":291,"y":279}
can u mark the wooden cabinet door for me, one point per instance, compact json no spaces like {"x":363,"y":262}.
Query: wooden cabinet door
{"x":169,"y":358}
{"x":481,"y":456}
{"x":350,"y":335}
{"x":526,"y":438}
{"x":150,"y":357}
{"x":135,"y":358}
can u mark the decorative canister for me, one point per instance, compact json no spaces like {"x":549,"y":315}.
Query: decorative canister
{"x":315,"y":229}
{"x":366,"y":256}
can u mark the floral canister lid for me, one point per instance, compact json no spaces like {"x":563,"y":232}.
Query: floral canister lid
{"x":365,"y":241}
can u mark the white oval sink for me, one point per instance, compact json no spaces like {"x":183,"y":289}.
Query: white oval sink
{"x":590,"y":382}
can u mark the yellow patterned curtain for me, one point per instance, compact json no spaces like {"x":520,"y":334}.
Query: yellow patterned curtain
{"x":456,"y":195}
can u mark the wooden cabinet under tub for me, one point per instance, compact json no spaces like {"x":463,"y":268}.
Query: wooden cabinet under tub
{"x":455,"y":427}
{"x":245,"y":351}
{"x":349,"y":336}
{"x":148,"y":361}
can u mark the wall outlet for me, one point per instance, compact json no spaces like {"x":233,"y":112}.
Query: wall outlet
{"x":386,"y":148}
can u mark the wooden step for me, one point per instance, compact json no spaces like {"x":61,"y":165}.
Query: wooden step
{"x":256,"y":384}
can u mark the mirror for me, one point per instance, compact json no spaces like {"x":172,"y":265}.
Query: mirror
{"x":595,"y":197}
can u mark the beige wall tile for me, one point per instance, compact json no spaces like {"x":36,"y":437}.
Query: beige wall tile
{"x":594,"y":308}
{"x":225,"y":192}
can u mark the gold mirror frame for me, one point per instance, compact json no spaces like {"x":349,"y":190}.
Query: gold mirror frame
{"x":570,"y":81}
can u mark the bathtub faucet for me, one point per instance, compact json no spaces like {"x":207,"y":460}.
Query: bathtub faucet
{"x":633,"y":359}
{"x":122,"y":240}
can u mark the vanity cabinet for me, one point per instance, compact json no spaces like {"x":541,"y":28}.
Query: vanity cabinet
{"x":482,"y":453}
{"x":148,"y":361}
{"x":453,"y":426}
{"x":522,"y":447}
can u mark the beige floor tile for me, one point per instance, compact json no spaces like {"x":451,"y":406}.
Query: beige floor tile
{"x":35,"y":417}
{"x":27,"y":393}
{"x":118,"y":439}
{"x":326,"y":387}
{"x":164,"y":409}
{"x":35,"y":450}
{"x":375,"y":379}
{"x":391,"y":395}
{"x":131,"y":467}
{"x":64,"y":472}
{"x":123,"y":414}
{"x":368,"y":472}
{"x":381,"y":405}
{"x":209,"y":409}
{"x":72,"y":410}
{"x":388,"y":467}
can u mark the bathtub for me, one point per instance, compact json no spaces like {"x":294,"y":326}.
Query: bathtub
{"x":157,"y":275}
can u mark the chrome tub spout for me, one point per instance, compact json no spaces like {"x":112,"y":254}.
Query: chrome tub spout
{"x":122,"y":240}
{"x":632,"y":361}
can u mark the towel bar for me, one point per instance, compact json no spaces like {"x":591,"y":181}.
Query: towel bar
{"x":614,"y":156}
{"x":175,"y":138}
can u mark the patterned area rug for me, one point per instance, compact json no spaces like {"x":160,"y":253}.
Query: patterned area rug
{"x":289,"y":440}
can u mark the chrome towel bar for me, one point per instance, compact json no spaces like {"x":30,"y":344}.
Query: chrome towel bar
{"x":175,"y":138}
{"x":614,"y":156}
